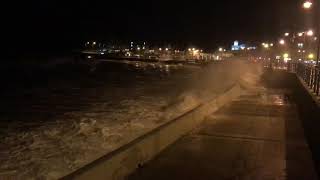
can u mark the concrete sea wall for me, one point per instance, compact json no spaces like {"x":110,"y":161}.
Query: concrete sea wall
{"x":123,"y":161}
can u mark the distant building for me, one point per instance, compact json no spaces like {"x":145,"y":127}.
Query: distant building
{"x":237,"y":47}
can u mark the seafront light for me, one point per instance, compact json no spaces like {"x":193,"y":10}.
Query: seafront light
{"x":282,"y":42}
{"x":310,"y":33}
{"x":311,"y":56}
{"x":265,"y":45}
{"x":307,"y":5}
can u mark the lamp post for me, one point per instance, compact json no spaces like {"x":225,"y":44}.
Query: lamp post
{"x":307,"y":5}
{"x":318,"y":34}
{"x":266,"y":47}
{"x":315,"y":83}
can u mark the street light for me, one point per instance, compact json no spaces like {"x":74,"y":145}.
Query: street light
{"x":307,"y":5}
{"x":266,"y":46}
{"x":285,"y":55}
{"x":310,"y":33}
{"x":286,"y":34}
{"x":311,"y":56}
{"x":282,"y":42}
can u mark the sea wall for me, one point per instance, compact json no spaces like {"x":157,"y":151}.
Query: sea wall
{"x":123,"y":161}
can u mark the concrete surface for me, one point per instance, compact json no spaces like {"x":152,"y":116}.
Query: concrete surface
{"x":258,"y":136}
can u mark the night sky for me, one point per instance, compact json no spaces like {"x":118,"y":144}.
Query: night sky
{"x":60,"y":26}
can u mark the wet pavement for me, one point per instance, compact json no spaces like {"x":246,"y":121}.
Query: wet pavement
{"x":258,"y":136}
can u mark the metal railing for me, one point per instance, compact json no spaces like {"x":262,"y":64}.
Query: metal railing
{"x":309,"y":73}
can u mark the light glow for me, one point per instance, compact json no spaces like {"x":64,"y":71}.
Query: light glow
{"x":265,"y":45}
{"x":310,"y":33}
{"x":307,"y":5}
{"x":311,"y":56}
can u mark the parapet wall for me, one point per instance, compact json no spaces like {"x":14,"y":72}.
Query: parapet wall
{"x":125,"y":160}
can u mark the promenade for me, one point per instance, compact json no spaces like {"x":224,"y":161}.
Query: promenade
{"x":259,"y":135}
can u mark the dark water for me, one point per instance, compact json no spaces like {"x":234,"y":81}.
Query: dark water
{"x":55,"y":120}
{"x":51,"y":118}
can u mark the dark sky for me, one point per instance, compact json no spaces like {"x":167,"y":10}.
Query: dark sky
{"x":49,"y":25}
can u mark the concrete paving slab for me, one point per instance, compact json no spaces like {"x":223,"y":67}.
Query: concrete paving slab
{"x":206,"y":157}
{"x":257,"y":127}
